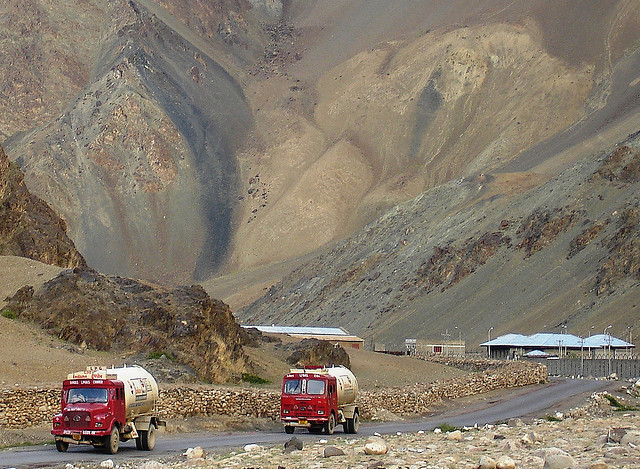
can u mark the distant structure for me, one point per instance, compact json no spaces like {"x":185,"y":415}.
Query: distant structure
{"x":449,"y":348}
{"x":513,"y":346}
{"x":332,"y":334}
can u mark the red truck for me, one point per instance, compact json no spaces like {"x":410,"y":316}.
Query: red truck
{"x":319,"y":399}
{"x":103,"y":407}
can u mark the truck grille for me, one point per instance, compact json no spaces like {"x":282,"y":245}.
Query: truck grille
{"x":77,"y":420}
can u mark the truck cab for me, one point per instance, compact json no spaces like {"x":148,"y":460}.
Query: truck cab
{"x":90,"y":409}
{"x":102,"y":407}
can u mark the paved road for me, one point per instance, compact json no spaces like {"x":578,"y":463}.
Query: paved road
{"x":531,"y":401}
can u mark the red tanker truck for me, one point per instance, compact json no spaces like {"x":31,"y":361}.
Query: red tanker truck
{"x":319,"y":399}
{"x":103,"y":407}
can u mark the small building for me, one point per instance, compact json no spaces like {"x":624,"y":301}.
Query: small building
{"x":512,"y":346}
{"x":335,"y":335}
{"x":449,"y":348}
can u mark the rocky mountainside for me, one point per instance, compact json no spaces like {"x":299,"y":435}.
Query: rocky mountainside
{"x":178,"y":138}
{"x":469,"y":256}
{"x":445,"y":159}
{"x":123,"y":315}
{"x":28,"y":226}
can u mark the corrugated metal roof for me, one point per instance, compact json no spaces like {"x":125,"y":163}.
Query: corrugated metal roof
{"x":295,"y":330}
{"x":547,"y":340}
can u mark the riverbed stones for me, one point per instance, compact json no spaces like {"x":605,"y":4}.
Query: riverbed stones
{"x":505,"y":462}
{"x":331,"y":451}
{"x":375,"y":446}
{"x":487,"y":463}
{"x":292,"y":444}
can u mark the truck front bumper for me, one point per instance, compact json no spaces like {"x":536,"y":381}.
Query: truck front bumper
{"x":80,"y":437}
{"x":303,"y":422}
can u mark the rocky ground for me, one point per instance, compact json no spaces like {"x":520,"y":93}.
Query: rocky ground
{"x":593,"y":436}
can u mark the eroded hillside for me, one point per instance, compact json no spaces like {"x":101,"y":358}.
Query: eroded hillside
{"x":469,"y":256}
{"x":179,"y":139}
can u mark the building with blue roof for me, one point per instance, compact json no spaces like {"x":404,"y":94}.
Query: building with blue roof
{"x":511,"y":346}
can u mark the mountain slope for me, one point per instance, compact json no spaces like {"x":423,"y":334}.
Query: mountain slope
{"x":28,"y":226}
{"x":473,"y":255}
{"x":196,"y":133}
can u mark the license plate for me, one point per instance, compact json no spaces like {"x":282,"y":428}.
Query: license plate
{"x":76,"y":436}
{"x":302,"y":421}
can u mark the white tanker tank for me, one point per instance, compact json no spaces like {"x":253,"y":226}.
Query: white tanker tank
{"x":347,"y":384}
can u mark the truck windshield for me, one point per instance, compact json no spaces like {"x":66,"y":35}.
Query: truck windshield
{"x":315,"y":386}
{"x":293,"y":386}
{"x":90,"y":395}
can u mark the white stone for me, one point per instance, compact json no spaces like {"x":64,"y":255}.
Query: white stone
{"x":454,"y":435}
{"x":505,"y":462}
{"x":194,"y":453}
{"x":487,"y":463}
{"x":252,"y":447}
{"x":375,"y":445}
{"x":107,"y":463}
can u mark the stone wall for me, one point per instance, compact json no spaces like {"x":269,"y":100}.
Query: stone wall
{"x":23,"y":408}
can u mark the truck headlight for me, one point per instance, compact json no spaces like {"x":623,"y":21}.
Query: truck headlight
{"x":98,"y":424}
{"x":321,"y":412}
{"x":285,"y":411}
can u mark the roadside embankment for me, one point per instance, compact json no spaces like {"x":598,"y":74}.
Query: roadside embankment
{"x":20,"y":408}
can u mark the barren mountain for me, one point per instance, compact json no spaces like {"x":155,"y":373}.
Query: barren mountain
{"x":411,"y":145}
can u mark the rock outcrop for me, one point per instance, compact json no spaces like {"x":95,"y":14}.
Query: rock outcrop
{"x":87,"y":308}
{"x":28,"y":226}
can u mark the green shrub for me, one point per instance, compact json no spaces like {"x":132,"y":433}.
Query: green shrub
{"x":552,"y":418}
{"x":447,"y":427}
{"x":618,"y":405}
{"x":253,"y":379}
{"x":159,"y":354}
{"x":9,"y":314}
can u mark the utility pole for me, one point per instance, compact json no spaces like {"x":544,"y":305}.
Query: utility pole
{"x":488,"y":344}
{"x":609,"y":342}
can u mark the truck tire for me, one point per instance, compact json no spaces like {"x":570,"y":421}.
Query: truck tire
{"x":148,"y":438}
{"x":112,"y":442}
{"x":352,"y":425}
{"x":62,"y":446}
{"x":289,"y":429}
{"x":330,"y":425}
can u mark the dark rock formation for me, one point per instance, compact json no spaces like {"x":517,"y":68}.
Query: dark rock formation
{"x":125,"y":315}
{"x":314,"y":352}
{"x":28,"y":226}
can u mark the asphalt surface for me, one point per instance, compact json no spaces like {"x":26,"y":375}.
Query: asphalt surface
{"x":523,"y":402}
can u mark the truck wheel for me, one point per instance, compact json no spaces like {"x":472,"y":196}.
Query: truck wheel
{"x":62,"y":446}
{"x":289,"y":429}
{"x":148,"y":438}
{"x":355,"y":422}
{"x":112,"y":441}
{"x":139,"y":441}
{"x":352,"y":425}
{"x":330,"y":426}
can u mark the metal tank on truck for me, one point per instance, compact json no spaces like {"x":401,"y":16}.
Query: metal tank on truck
{"x":103,"y":407}
{"x":319,"y":398}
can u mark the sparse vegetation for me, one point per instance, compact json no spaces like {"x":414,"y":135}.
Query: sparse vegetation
{"x":619,"y":406}
{"x":8,"y":313}
{"x":447,"y":427}
{"x":253,"y":379}
{"x":159,"y":354}
{"x":552,"y":418}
